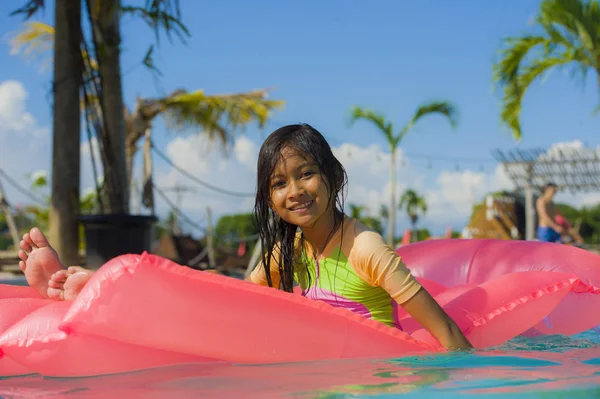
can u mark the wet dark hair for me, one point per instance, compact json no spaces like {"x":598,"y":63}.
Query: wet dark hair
{"x":549,"y":185}
{"x":307,"y":142}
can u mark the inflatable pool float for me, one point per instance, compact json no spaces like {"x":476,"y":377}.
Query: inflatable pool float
{"x":144,"y":311}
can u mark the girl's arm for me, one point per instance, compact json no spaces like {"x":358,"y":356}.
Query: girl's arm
{"x":380,"y":265}
{"x":432,"y":317}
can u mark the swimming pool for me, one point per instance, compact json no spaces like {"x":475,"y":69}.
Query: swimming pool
{"x":548,"y":367}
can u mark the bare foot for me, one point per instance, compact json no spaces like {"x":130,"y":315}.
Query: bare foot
{"x":39,"y":261}
{"x":66,"y":284}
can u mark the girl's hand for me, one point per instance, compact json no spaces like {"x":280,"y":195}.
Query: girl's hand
{"x":432,"y":317}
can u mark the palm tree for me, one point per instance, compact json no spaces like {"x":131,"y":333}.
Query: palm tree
{"x":356,"y":211}
{"x":218,"y":116}
{"x":414,"y":205}
{"x":394,"y":138}
{"x":98,"y":83}
{"x":66,"y":128}
{"x":569,"y":37}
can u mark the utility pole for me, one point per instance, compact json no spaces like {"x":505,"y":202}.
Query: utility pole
{"x":529,"y":206}
{"x":9,"y":219}
{"x":137,"y":199}
{"x":179,"y":190}
{"x":209,"y":239}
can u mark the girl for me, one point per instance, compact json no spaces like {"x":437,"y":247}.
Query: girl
{"x":334,"y":258}
{"x":308,"y":241}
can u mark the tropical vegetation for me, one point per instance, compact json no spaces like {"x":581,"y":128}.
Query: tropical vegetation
{"x":414,"y":205}
{"x":565,"y":35}
{"x":89,"y":72}
{"x":394,"y":137}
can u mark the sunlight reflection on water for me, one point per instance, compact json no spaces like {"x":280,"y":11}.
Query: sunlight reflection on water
{"x":525,"y":367}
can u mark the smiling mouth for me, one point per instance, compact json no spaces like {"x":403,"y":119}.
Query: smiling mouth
{"x":302,"y":206}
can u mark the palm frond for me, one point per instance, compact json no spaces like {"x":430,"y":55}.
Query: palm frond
{"x":412,"y":202}
{"x":30,"y":8}
{"x":383,"y":211}
{"x":423,"y":204}
{"x":443,"y":108}
{"x":386,"y":127}
{"x":571,"y":35}
{"x":514,"y":92}
{"x":35,"y":39}
{"x":577,"y":19}
{"x":159,"y":14}
{"x":506,"y":71}
{"x":218,"y":115}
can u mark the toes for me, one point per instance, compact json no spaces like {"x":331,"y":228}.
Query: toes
{"x":56,"y":294}
{"x":56,"y":284}
{"x":38,"y":238}
{"x":23,"y":256}
{"x":22,"y":266}
{"x":28,"y":241}
{"x":75,"y":269}
{"x":57,"y":280}
{"x":25,"y":243}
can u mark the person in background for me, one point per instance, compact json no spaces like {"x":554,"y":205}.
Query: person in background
{"x":548,"y":229}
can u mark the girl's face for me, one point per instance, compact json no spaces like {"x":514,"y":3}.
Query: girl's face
{"x":299,"y":194}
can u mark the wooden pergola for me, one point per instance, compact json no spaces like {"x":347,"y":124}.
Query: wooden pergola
{"x":571,"y":169}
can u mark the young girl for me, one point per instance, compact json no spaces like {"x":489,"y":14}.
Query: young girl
{"x":308,"y":241}
{"x":334,"y":258}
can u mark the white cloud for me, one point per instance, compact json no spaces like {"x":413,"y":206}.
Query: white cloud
{"x":368,"y":170}
{"x":590,"y":199}
{"x":246,"y":152}
{"x":25,"y":145}
{"x":450,"y":196}
{"x":234,"y":172}
{"x":26,"y":150}
{"x":451,"y":203}
{"x":14,"y":119}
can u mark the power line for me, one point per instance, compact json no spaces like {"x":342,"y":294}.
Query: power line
{"x":22,"y":190}
{"x":186,"y":219}
{"x":450,"y":159}
{"x":177,"y":210}
{"x":201,"y":182}
{"x":337,"y":141}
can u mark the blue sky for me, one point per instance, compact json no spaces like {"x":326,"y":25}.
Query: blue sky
{"x":322,"y":57}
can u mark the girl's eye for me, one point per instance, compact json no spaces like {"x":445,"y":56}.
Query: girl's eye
{"x":277,"y":184}
{"x":307,"y":173}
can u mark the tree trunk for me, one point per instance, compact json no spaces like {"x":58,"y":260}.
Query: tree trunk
{"x":66,"y":126}
{"x":137,"y":125}
{"x":105,"y":17}
{"x":130,"y":155}
{"x":392,"y":211}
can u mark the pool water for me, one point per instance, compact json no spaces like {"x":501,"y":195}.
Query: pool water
{"x":542,"y":367}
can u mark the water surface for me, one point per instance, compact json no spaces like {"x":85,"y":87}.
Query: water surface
{"x":542,"y":367}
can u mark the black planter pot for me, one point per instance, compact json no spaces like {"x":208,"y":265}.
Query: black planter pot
{"x":108,"y":236}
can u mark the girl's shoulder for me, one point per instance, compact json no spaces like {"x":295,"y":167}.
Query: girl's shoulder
{"x":358,"y":229}
{"x":359,"y":238}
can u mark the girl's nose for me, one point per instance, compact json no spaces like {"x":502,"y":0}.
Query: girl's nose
{"x":296,"y":189}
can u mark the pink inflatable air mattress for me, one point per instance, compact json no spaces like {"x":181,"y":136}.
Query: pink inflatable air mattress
{"x":143,"y":311}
